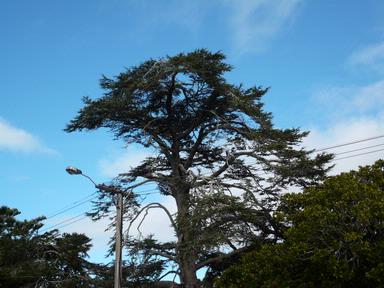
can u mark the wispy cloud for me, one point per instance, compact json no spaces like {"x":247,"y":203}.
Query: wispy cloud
{"x":352,"y":112}
{"x":371,"y":56}
{"x":352,"y":100}
{"x":346,"y":131}
{"x":189,"y":14}
{"x":18,"y":140}
{"x":156,"y":15}
{"x":115,"y":164}
{"x":255,"y":23}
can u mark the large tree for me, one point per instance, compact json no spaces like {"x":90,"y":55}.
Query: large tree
{"x":218,"y":155}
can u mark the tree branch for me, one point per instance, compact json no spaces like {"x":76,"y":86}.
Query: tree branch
{"x":139,"y":184}
{"x":194,"y":148}
{"x":220,"y":258}
{"x":163,"y":254}
{"x":151,"y":206}
{"x":169,"y":272}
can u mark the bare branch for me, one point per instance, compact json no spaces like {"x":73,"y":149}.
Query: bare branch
{"x":139,"y":184}
{"x":152,"y":206}
{"x":223,"y":168}
{"x":220,"y":258}
{"x":230,"y":244}
{"x":163,"y":146}
{"x":169,"y":272}
{"x":163,"y":254}
{"x":195,"y":147}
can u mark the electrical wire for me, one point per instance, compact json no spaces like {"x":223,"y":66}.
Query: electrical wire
{"x":62,"y":222}
{"x":70,"y":223}
{"x":150,"y":193}
{"x":77,"y":204}
{"x":364,"y":148}
{"x":143,"y":191}
{"x":85,"y":200}
{"x":374,"y":151}
{"x":349,"y":143}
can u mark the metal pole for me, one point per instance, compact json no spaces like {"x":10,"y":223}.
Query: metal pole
{"x":119,"y":232}
{"x":119,"y":221}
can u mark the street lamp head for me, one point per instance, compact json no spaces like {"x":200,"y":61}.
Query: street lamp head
{"x":73,"y":170}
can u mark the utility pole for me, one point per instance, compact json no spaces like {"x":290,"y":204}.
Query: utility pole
{"x":119,"y":220}
{"x":119,"y":233}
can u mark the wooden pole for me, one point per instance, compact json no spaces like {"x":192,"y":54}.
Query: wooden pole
{"x":119,"y":232}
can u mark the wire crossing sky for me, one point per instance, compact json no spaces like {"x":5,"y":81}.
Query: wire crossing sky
{"x":323,"y":62}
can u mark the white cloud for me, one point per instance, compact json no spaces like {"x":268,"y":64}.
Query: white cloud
{"x":255,"y":22}
{"x":371,"y":55}
{"x":96,"y":231}
{"x":188,"y":14}
{"x":18,"y":140}
{"x":116,"y":164}
{"x":183,"y":14}
{"x":351,"y":100}
{"x":156,"y":223}
{"x":352,"y":113}
{"x":369,"y":97}
{"x":346,"y":131}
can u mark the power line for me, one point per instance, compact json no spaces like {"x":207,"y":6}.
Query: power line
{"x":148,"y":192}
{"x":374,"y":151}
{"x":85,"y":200}
{"x":63,"y":210}
{"x":70,"y":223}
{"x":79,"y":202}
{"x":144,"y":192}
{"x":62,"y":222}
{"x":364,"y":148}
{"x":349,"y":143}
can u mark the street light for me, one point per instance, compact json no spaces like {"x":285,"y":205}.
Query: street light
{"x":73,"y":170}
{"x":119,"y":220}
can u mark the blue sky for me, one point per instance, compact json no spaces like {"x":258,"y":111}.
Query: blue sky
{"x":324,"y":62}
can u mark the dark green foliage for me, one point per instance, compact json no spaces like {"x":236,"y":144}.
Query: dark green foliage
{"x":335,"y":238}
{"x":212,"y":139}
{"x":30,"y":259}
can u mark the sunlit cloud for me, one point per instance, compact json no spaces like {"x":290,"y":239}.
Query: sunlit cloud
{"x":353,"y":100}
{"x":371,"y":56}
{"x":254,"y":23}
{"x":347,"y":131}
{"x":113,"y":165}
{"x":18,"y":140}
{"x":352,"y":112}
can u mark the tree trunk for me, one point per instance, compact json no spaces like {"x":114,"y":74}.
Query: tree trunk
{"x":185,"y":234}
{"x":188,"y":274}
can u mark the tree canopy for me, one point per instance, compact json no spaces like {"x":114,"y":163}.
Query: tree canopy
{"x":334,"y":237}
{"x":218,"y":155}
{"x":32,"y":259}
